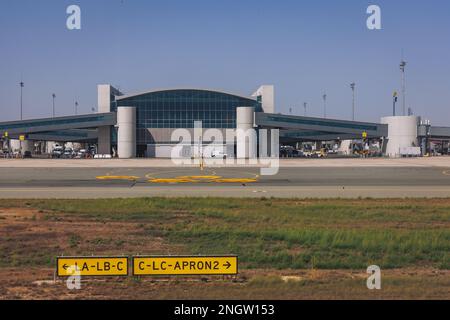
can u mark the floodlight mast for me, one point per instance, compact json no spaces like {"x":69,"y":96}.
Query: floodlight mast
{"x":21,"y":109}
{"x":21,"y":99}
{"x":53,"y":97}
{"x":402,"y":69}
{"x":395,"y":98}
{"x":353,"y":86}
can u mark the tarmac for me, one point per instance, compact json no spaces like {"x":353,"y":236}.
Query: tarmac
{"x":297,"y":178}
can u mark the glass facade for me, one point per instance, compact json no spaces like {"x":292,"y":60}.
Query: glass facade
{"x":180,"y":108}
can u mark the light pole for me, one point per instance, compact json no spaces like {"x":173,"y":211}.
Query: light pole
{"x":353,"y":86}
{"x":53,"y":96}
{"x":21,"y":100}
{"x":324,"y":97}
{"x":21,"y":109}
{"x":402,"y":69}
{"x":304,"y":107}
{"x":395,"y":99}
{"x":76,"y":107}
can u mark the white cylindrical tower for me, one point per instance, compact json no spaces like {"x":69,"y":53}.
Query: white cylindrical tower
{"x":246,"y":139}
{"x":126,"y":138}
{"x":402,"y":133}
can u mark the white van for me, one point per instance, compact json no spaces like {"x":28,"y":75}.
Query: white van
{"x":218,"y":154}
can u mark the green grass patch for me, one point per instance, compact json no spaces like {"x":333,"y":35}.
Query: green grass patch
{"x":280,"y":233}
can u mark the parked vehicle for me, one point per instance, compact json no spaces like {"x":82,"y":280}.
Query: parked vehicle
{"x":92,"y":150}
{"x":307,"y":154}
{"x":5,"y":154}
{"x":27,"y":155}
{"x":81,"y":154}
{"x":218,"y":154}
{"x":57,"y":152}
{"x":68,"y":153}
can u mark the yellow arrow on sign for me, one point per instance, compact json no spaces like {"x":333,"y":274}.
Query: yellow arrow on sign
{"x":92,"y":266}
{"x":184,"y":265}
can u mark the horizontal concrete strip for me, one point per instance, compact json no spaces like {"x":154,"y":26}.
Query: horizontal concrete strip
{"x":387,"y":192}
{"x":443,"y":162}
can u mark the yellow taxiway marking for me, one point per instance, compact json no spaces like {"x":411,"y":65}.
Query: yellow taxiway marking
{"x":130,"y":178}
{"x":200,"y":177}
{"x":154,"y":175}
{"x":211,"y":178}
{"x":114,"y":175}
{"x":203,"y":180}
{"x":235,"y":180}
{"x":171,"y":180}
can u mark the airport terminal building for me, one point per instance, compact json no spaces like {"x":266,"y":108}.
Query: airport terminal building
{"x":153,"y":116}
{"x":141,"y":125}
{"x":146,"y":121}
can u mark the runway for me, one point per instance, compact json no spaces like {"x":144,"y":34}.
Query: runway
{"x":299,"y":182}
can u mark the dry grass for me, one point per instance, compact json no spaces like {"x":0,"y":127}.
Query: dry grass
{"x":275,"y":239}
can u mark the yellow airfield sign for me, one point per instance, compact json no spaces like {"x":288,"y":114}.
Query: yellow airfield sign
{"x":184,"y":265}
{"x":91,"y":266}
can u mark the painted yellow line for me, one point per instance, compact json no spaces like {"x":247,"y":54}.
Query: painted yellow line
{"x":131,"y":178}
{"x":154,"y":175}
{"x":211,"y":178}
{"x":199,"y":177}
{"x":235,"y":180}
{"x":191,"y":180}
{"x":174,"y":180}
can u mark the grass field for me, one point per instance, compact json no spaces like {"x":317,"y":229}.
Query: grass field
{"x":279,"y":236}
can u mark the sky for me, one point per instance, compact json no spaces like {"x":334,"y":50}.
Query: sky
{"x":303,"y":48}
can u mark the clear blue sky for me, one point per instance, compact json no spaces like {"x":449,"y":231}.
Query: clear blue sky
{"x":304,"y":48}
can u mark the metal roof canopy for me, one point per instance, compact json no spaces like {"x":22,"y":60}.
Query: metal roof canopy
{"x":124,"y":97}
{"x":308,"y":128}
{"x":295,"y":135}
{"x":58,"y":123}
{"x":440,"y":133}
{"x":71,"y":135}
